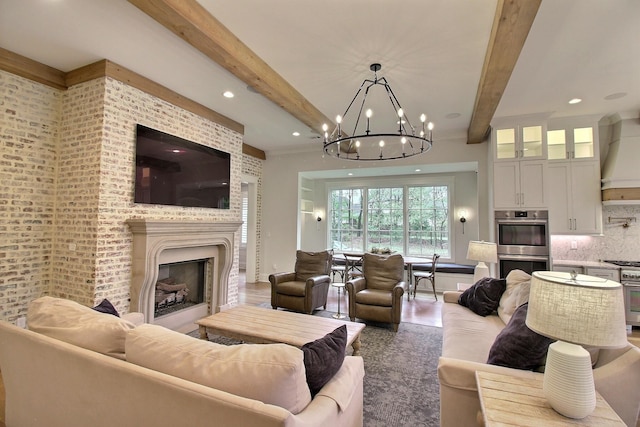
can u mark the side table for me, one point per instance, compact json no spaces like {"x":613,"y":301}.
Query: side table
{"x":340,"y":287}
{"x":519,"y":401}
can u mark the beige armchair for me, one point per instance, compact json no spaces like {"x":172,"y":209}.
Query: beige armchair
{"x":378,"y":295}
{"x":307,"y":287}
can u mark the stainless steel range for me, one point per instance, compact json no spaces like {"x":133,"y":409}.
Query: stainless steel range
{"x":630,"y":279}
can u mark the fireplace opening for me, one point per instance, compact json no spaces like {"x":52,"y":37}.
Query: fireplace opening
{"x":180,"y":285}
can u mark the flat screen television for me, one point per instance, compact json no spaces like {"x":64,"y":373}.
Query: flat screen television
{"x":173,"y":171}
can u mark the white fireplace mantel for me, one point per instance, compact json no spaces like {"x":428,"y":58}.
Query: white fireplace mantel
{"x":153,"y":239}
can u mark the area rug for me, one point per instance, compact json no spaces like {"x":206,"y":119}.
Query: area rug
{"x":400,"y":383}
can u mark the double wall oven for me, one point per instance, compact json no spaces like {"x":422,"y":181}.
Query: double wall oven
{"x":523,"y":241}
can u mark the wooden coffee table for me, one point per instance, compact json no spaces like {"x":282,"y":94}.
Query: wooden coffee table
{"x":267,"y":326}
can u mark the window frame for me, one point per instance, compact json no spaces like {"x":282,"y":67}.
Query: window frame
{"x":393,"y":182}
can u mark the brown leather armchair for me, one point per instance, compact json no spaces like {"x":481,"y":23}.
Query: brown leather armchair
{"x":307,"y":287}
{"x":378,"y":295}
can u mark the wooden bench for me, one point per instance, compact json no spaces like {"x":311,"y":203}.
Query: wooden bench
{"x":266,"y":326}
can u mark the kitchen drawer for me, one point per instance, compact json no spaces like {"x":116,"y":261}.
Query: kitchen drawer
{"x":605,"y":273}
{"x":568,"y":269}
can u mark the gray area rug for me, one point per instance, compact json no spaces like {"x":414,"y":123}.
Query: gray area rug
{"x":401,"y":382}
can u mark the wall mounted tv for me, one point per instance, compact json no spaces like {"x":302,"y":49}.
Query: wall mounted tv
{"x":173,"y":171}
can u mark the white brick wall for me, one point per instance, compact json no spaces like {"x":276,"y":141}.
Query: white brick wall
{"x":29,"y":123}
{"x":70,"y":235}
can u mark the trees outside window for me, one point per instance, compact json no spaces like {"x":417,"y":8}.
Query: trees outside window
{"x":413,"y":220}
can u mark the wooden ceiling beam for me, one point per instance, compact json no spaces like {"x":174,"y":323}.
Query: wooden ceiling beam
{"x":511,"y":25}
{"x":193,"y":23}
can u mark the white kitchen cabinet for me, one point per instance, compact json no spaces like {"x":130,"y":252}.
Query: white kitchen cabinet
{"x":574,"y":139}
{"x":605,"y":273}
{"x":574,"y":197}
{"x":568,"y":269}
{"x":519,"y":139}
{"x":520,"y":184}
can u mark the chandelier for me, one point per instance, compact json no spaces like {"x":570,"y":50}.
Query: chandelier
{"x":366,"y":142}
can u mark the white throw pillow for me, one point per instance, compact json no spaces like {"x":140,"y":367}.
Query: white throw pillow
{"x":270,"y":373}
{"x":79,"y":325}
{"x":516,"y":294}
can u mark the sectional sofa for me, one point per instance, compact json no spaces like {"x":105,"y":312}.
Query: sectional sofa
{"x":466,"y":345}
{"x":84,"y":368}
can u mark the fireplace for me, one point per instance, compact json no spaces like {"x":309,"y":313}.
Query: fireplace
{"x":180,"y":285}
{"x":158,"y":244}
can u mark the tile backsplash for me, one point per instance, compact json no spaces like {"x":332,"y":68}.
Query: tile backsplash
{"x":616,"y":243}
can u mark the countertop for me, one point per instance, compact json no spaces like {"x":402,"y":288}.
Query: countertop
{"x":591,"y":264}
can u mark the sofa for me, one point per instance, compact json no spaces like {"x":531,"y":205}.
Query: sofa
{"x":467,"y":343}
{"x":77,"y":368}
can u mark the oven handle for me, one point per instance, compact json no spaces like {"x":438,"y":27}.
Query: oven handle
{"x":522,"y":221}
{"x":522,"y":258}
{"x":631,"y":284}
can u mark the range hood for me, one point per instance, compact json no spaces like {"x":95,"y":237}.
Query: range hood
{"x":621,"y":169}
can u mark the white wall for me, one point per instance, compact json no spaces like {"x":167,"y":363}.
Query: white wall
{"x":281,"y":219}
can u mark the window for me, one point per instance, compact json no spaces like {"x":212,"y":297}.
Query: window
{"x":411,"y":219}
{"x":245,"y":211}
{"x":347,"y":230}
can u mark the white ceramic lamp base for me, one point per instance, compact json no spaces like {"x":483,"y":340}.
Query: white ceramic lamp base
{"x":480,"y":271}
{"x":568,"y":380}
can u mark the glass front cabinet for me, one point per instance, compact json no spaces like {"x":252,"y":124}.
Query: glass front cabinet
{"x":515,"y":140}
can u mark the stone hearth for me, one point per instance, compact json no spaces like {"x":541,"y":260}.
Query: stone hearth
{"x":157,"y":242}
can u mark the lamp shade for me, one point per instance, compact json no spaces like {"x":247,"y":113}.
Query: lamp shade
{"x":579,"y":309}
{"x":482,"y":251}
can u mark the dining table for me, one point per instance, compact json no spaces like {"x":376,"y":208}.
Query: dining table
{"x":409,"y":261}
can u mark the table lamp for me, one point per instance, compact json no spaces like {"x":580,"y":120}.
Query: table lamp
{"x":482,"y":252}
{"x":576,"y":310}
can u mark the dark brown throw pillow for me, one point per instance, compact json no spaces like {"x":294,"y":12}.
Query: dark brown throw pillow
{"x":483,"y":298}
{"x":517,"y":346}
{"x":323,"y":358}
{"x":106,"y":307}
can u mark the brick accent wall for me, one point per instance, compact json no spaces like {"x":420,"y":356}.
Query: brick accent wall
{"x":253,"y":166}
{"x":70,"y":236}
{"x":29,"y":122}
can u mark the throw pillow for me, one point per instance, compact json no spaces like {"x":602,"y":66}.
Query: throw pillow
{"x":483,"y":298}
{"x":517,"y":346}
{"x":106,"y":307}
{"x":323,"y":358}
{"x":516,"y":294}
{"x":79,"y":325}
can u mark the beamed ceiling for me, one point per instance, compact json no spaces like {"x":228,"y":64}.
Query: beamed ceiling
{"x":294,"y":65}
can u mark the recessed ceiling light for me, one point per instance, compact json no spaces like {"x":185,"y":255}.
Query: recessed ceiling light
{"x":453,"y":115}
{"x":575,"y":101}
{"x":296,"y":134}
{"x":228,"y":94}
{"x":418,"y":170}
{"x":616,"y":95}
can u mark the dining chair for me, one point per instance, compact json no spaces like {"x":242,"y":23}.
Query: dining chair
{"x":354,"y":263}
{"x":430,"y":275}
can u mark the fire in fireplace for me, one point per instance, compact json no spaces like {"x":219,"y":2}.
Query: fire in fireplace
{"x":180,"y":285}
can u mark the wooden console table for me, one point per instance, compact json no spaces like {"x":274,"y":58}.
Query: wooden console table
{"x":264,"y":326}
{"x":506,"y":400}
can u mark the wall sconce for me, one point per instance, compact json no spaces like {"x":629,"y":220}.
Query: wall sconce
{"x":319,"y":218}
{"x":463,"y":214}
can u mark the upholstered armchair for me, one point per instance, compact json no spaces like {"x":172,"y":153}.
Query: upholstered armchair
{"x":378,"y":295}
{"x":306,"y":288}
